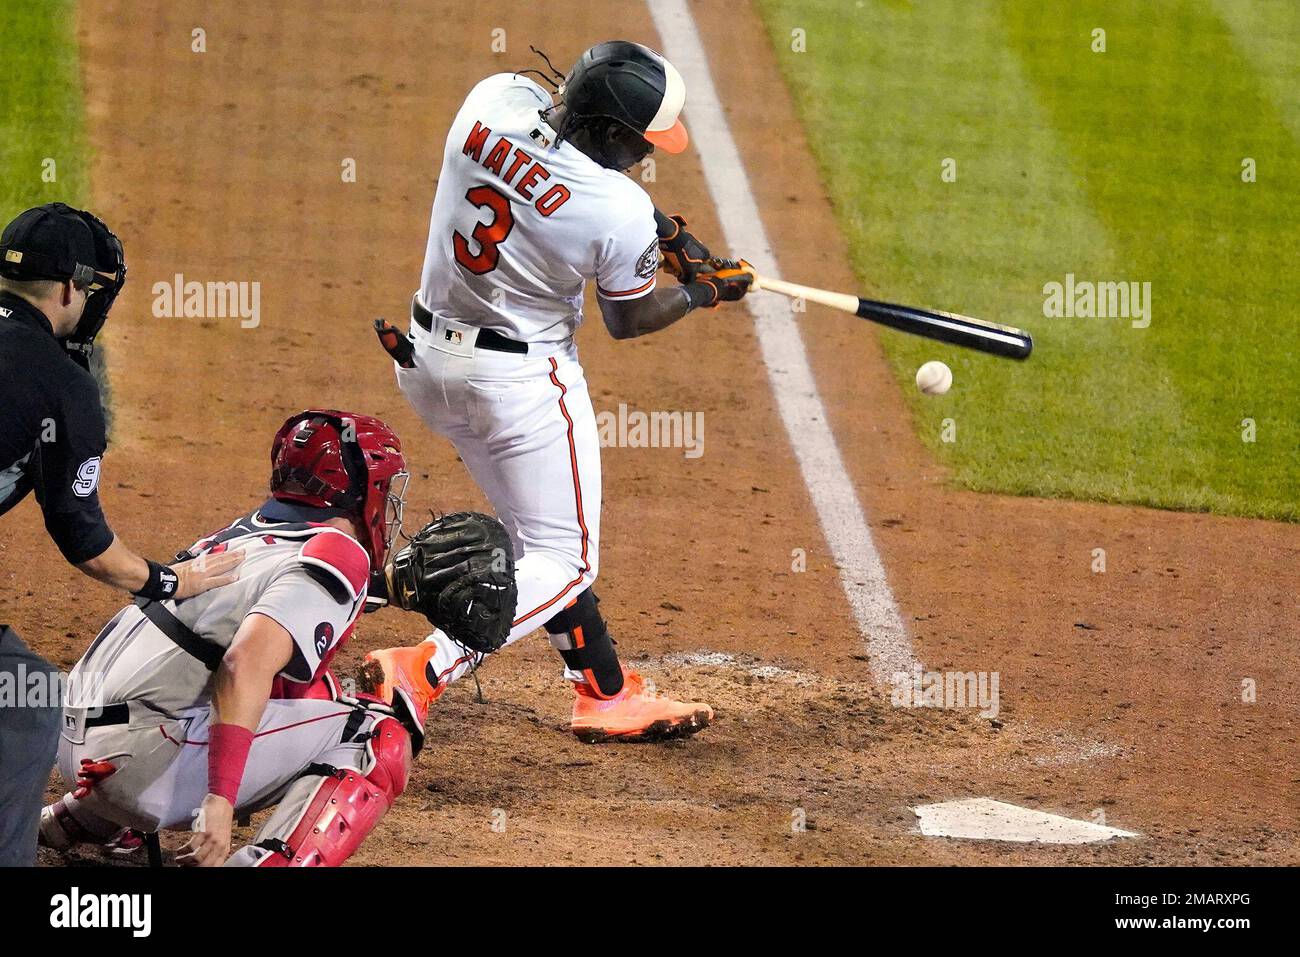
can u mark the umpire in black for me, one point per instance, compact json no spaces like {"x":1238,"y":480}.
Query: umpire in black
{"x":60,"y":270}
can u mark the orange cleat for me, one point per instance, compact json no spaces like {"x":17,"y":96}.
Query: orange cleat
{"x":399,"y":677}
{"x":634,"y":714}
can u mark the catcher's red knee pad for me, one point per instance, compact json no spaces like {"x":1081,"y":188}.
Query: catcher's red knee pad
{"x":346,"y":806}
{"x":391,"y":745}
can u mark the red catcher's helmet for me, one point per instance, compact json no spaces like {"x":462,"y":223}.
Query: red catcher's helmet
{"x":330,"y":459}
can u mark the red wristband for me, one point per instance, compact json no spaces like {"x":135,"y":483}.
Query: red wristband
{"x":228,"y":746}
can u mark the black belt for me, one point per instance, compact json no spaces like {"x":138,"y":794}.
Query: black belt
{"x":175,"y":629}
{"x":109,"y":714}
{"x":487,"y":338}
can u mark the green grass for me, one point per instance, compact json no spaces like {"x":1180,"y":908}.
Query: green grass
{"x":41,"y":114}
{"x":1115,"y":166}
{"x":42,"y":120}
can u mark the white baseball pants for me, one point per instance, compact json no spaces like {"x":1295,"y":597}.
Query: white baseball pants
{"x":525,"y":429}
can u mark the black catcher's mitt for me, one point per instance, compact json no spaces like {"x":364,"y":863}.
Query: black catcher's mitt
{"x":459,"y":571}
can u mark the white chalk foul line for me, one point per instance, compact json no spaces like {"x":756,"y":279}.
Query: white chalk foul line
{"x":861,"y":571}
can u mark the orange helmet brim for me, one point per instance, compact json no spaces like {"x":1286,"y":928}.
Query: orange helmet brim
{"x":671,"y":140}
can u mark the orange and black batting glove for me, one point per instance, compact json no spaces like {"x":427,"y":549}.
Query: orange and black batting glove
{"x":727,"y":280}
{"x":684,"y":256}
{"x":395,"y":344}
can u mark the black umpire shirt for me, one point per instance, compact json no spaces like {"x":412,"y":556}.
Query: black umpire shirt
{"x":52,"y":434}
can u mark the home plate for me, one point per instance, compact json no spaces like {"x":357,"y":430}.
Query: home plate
{"x":983,"y":819}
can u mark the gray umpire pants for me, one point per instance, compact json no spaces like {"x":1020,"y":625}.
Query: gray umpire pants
{"x":29,"y":733}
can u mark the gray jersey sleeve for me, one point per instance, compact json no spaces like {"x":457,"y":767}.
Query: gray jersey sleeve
{"x":312,"y":613}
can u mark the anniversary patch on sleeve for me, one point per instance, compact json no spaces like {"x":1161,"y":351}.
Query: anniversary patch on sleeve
{"x":649,"y":261}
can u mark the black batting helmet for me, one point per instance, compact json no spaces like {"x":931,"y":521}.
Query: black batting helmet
{"x":631,"y":84}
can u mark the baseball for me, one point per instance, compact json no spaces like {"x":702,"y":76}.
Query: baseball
{"x":934,"y":378}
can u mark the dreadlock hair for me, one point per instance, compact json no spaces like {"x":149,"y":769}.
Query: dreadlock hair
{"x":554,"y":79}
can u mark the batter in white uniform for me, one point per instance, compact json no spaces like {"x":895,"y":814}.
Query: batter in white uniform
{"x":532,"y":203}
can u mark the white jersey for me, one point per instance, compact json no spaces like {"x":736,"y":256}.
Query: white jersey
{"x":311,"y":579}
{"x":519,"y":224}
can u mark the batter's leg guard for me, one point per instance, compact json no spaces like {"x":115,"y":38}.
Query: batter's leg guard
{"x":580,"y":636}
{"x":327,"y":812}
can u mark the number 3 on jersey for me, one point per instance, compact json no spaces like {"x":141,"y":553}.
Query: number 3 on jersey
{"x":489,"y":235}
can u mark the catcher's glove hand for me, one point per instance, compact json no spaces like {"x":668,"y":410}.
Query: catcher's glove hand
{"x":684,"y":255}
{"x":460,"y":573}
{"x":729,"y":280}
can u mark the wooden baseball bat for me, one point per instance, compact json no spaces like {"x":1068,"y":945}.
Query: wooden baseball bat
{"x":957,"y":330}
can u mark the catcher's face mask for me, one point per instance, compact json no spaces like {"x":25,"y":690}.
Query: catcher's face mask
{"x":395,"y":507}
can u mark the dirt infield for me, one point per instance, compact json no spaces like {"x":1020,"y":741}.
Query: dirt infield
{"x":1120,"y":691}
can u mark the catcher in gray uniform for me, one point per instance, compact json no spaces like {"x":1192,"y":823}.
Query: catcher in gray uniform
{"x":186,"y":714}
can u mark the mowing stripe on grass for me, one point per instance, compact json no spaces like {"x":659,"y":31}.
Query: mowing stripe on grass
{"x":1266,"y":31}
{"x":861,"y":572}
{"x":1015,"y":217}
{"x":1046,"y":140}
{"x":1158,"y":127}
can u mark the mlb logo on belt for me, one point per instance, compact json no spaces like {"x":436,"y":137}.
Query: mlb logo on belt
{"x":454,"y":337}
